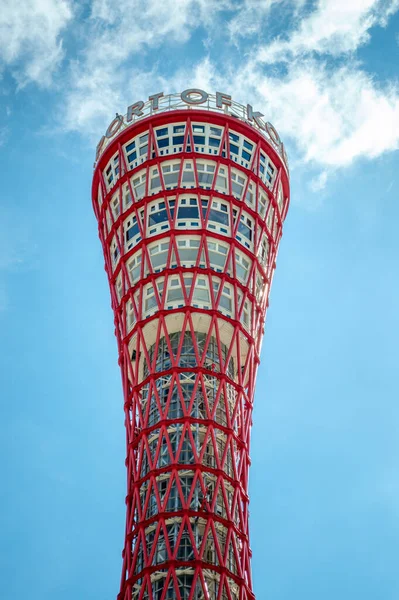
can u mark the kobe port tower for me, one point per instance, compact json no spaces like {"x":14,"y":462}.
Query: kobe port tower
{"x":190,"y":192}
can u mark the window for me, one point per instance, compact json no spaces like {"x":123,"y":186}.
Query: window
{"x":237,"y":184}
{"x":134,"y":268}
{"x":161,"y":132}
{"x":270,"y":221}
{"x":263,"y":201}
{"x":188,"y":251}
{"x":215,"y":131}
{"x":119,"y":287}
{"x":155,"y":180}
{"x":188,"y":179}
{"x":131,"y":153}
{"x":127,"y":197}
{"x":263,"y":253}
{"x":221,"y":180}
{"x":201,"y":293}
{"x":188,"y":209}
{"x":170,"y":174}
{"x":162,"y":137}
{"x":242,"y":266}
{"x":132,"y":232}
{"x":259,"y":287}
{"x":219,"y":213}
{"x":115,"y":206}
{"x":159,"y":255}
{"x":130,"y":316}
{"x":157,"y":214}
{"x":114,"y":252}
{"x":111,"y":172}
{"x":175,"y":292}
{"x":205,"y":174}
{"x":267,"y":171}
{"x":250,"y":196}
{"x":138,"y":184}
{"x":179,"y":128}
{"x":225,"y":301}
{"x":245,"y":227}
{"x":246,"y":151}
{"x":246,"y":314}
{"x":150,"y":299}
{"x":217,"y":255}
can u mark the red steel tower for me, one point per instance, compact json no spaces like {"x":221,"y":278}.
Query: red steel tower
{"x":190,"y":192}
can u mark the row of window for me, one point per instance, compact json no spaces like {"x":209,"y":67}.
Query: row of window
{"x":162,"y":255}
{"x":192,"y":213}
{"x":167,"y":349}
{"x":182,"y":547}
{"x":181,"y":292}
{"x":206,"y":175}
{"x":161,"y":456}
{"x":170,"y":139}
{"x":185,"y":583}
{"x":266,"y":170}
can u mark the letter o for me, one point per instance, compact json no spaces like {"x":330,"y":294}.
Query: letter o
{"x":186,"y":96}
{"x":274,"y":136}
{"x":114,"y":126}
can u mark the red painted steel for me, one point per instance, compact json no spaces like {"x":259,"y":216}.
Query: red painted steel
{"x":188,"y":368}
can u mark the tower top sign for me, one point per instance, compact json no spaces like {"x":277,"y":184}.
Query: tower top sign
{"x":192,"y":98}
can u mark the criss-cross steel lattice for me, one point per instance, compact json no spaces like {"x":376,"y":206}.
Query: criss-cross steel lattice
{"x":190,"y":237}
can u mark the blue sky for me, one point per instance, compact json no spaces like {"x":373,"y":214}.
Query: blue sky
{"x":325,"y":445}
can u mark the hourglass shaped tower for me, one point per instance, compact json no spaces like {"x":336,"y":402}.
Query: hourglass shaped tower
{"x":190,"y":199}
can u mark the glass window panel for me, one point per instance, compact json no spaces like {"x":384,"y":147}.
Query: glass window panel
{"x":161,"y":132}
{"x":188,"y":212}
{"x":132,"y":231}
{"x":178,"y":139}
{"x":158,"y":217}
{"x":219,"y":217}
{"x":214,"y":142}
{"x":246,"y":155}
{"x":199,"y":139}
{"x":131,"y":157}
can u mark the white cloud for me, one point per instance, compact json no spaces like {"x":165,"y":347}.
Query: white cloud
{"x":330,"y":115}
{"x":30,"y":41}
{"x":104,"y":80}
{"x":335,"y":27}
{"x":249,"y":18}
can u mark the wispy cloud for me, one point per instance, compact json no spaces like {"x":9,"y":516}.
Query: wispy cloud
{"x":335,"y":27}
{"x":307,"y":81}
{"x":30,"y":38}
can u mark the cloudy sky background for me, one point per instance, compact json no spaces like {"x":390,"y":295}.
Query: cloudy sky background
{"x":325,"y":446}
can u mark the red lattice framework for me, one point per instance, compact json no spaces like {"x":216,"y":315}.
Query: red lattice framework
{"x":189,"y":371}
